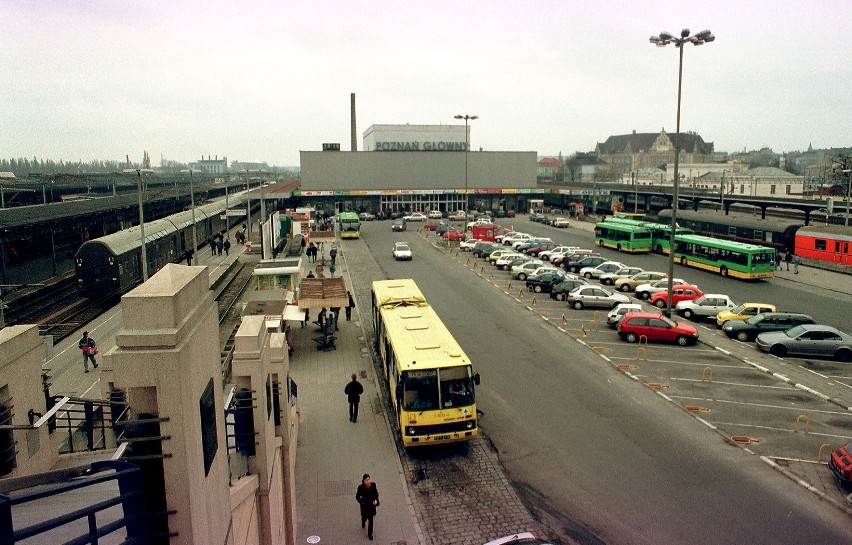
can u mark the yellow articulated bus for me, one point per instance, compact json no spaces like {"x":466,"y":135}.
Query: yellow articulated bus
{"x":432,"y":383}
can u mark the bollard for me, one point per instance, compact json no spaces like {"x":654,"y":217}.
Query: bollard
{"x":533,"y":301}
{"x":520,"y":294}
{"x":807,"y":423}
{"x":510,"y":286}
{"x":819,"y":454}
{"x":583,"y":332}
{"x":642,"y":347}
{"x":706,"y":371}
{"x":564,"y":320}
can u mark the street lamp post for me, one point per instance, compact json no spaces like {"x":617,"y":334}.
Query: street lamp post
{"x":466,"y":118}
{"x":142,"y":226}
{"x":635,"y":192}
{"x":664,"y":39}
{"x":848,"y":194}
{"x":194,"y":234}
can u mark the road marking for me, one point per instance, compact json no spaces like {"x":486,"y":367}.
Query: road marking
{"x":843,"y":438}
{"x":761,"y":405}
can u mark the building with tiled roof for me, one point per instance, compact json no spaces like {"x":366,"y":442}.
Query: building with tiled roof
{"x":627,"y":152}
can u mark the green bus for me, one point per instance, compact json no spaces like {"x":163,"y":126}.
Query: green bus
{"x":727,"y":257}
{"x":623,"y":237}
{"x":660,"y":232}
{"x":350,"y":225}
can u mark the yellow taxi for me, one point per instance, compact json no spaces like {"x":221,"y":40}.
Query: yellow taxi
{"x":743,"y":312}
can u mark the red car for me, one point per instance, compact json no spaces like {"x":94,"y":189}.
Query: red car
{"x":841,"y":464}
{"x":453,"y":234}
{"x":655,"y":327}
{"x":680,"y":292}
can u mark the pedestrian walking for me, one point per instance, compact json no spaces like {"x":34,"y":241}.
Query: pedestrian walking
{"x":796,"y":262}
{"x":227,"y":246}
{"x":311,"y":252}
{"x":788,"y":258}
{"x":335,"y":314}
{"x":213,"y":247}
{"x":353,"y":391}
{"x":331,"y":269}
{"x":368,"y":496}
{"x":350,"y":306}
{"x":321,"y":320}
{"x":777,"y":260}
{"x":90,"y":349}
{"x":189,"y":257}
{"x":220,"y":246}
{"x":333,"y":254}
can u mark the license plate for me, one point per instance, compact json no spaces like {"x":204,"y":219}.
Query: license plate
{"x":441,"y":437}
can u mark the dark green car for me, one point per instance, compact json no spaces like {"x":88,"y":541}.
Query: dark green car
{"x":748,"y":330}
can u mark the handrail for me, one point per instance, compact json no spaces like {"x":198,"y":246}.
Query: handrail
{"x":53,"y":410}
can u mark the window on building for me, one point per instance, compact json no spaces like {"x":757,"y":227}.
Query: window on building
{"x":772,"y":189}
{"x":789,"y":189}
{"x":742,"y":189}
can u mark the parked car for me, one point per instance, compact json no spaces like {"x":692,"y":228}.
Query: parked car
{"x":706,"y":306}
{"x":431,"y":224}
{"x":510,"y":213}
{"x":576,"y":255}
{"x":458,"y":215}
{"x":435,"y":214}
{"x":561,"y":290}
{"x":522,"y":538}
{"x":656,"y":327}
{"x":598,"y":270}
{"x":416,"y":216}
{"x":537,"y":217}
{"x":499,"y":238}
{"x":402,"y":252}
{"x":535,"y":248}
{"x":807,"y":340}
{"x":545,"y":254}
{"x":468,"y":244}
{"x":747,"y":330}
{"x":442,"y":229}
{"x":590,"y":261}
{"x":544,"y":282}
{"x":681,"y":292}
{"x":508,"y":240}
{"x":645,"y":291}
{"x":482,"y":249}
{"x":366,"y":216}
{"x":593,"y":296}
{"x":496,"y":254}
{"x":506,"y":259}
{"x":608,"y":279}
{"x":561,"y":223}
{"x":743,"y":312}
{"x":545,"y":268}
{"x":398,"y":225}
{"x":527,"y":242}
{"x":453,"y":234}
{"x":521,"y":272}
{"x":630,"y":283}
{"x":620,"y":311}
{"x":841,"y":464}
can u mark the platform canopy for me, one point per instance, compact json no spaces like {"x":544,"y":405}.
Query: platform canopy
{"x":322,"y":293}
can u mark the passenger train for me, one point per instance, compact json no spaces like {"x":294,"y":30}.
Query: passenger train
{"x":112,"y":264}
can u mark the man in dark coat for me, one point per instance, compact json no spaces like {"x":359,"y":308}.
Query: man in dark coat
{"x":367,"y":496}
{"x":353,"y":392}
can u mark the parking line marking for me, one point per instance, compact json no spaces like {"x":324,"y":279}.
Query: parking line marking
{"x":761,"y":405}
{"x":723,"y":351}
{"x":743,"y":384}
{"x":788,"y":430}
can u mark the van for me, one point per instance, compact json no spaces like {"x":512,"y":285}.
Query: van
{"x":399,"y":224}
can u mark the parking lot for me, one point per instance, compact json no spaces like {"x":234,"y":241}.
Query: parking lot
{"x":791,"y":412}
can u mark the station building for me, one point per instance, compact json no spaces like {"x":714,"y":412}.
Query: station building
{"x":415,"y":168}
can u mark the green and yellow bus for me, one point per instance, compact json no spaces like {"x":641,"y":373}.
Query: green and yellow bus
{"x":350,"y":225}
{"x":728,"y":258}
{"x":660,"y":232}
{"x":431,"y":380}
{"x":623,"y":235}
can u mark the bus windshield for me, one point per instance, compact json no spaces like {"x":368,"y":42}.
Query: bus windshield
{"x":421,"y":390}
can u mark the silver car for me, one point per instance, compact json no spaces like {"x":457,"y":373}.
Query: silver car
{"x":645,"y":291}
{"x":608,"y":279}
{"x":605,"y":267}
{"x":706,"y":306}
{"x":593,"y":296}
{"x":808,"y":340}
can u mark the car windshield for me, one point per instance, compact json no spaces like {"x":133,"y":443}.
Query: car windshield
{"x":434,"y":389}
{"x":756,"y":319}
{"x":737,"y":309}
{"x":402,"y":248}
{"x":794,"y":332}
{"x":668,"y":321}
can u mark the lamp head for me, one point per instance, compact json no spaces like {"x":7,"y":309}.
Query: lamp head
{"x":684,"y":33}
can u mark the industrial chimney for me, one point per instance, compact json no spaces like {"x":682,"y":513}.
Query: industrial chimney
{"x":354,"y":132}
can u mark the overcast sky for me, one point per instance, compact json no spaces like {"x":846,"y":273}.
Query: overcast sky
{"x":262,"y":80}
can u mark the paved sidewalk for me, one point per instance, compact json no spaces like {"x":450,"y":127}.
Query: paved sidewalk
{"x":333,"y":453}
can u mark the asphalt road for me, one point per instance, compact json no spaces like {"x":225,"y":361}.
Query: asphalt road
{"x":604,"y":458}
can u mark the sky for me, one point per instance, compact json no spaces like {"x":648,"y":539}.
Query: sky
{"x":258,"y":80}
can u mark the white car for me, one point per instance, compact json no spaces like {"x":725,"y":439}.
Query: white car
{"x":417,"y":216}
{"x":519,"y":243}
{"x":608,"y":279}
{"x":402,"y":252}
{"x":615,"y":315}
{"x":516,"y":237}
{"x":366,"y":216}
{"x":504,"y":260}
{"x":594,"y":296}
{"x":458,"y":215}
{"x":706,"y":306}
{"x":467,"y":245}
{"x":522,"y":272}
{"x":545,"y":255}
{"x":645,"y":291}
{"x":605,"y":267}
{"x":560,"y":222}
{"x":435,"y":214}
{"x":541,"y":269}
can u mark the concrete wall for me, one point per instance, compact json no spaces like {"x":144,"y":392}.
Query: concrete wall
{"x":21,"y":354}
{"x":387,"y":170}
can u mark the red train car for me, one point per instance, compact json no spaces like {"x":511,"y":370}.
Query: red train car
{"x":831,"y":243}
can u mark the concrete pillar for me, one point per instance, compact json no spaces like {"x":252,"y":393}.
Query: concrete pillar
{"x":259,"y":365}
{"x":21,"y":354}
{"x":167,"y":359}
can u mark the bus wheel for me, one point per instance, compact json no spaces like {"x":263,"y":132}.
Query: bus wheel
{"x":724,"y":270}
{"x":683,"y":261}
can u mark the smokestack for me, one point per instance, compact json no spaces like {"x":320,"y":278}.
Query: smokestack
{"x":354,"y":131}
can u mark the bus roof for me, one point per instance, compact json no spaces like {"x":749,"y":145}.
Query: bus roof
{"x":420,"y":339}
{"x":348,"y":216}
{"x":621,"y":226}
{"x":723,"y":244}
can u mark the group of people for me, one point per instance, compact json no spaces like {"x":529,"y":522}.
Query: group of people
{"x":219,"y":243}
{"x":789,"y":257}
{"x":311,"y":252}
